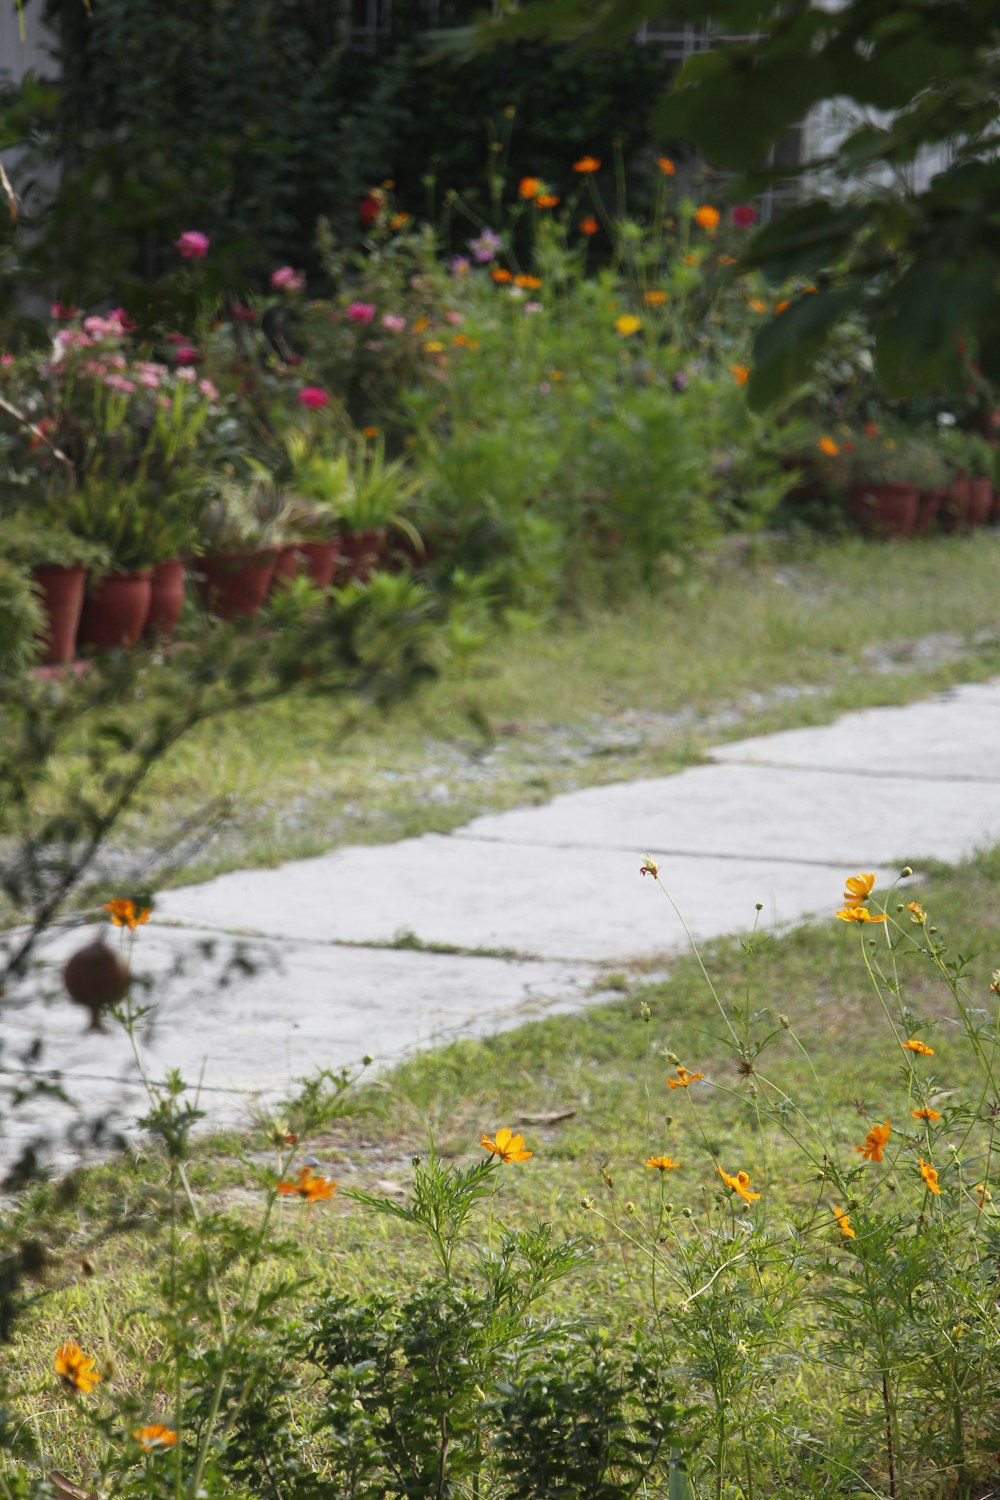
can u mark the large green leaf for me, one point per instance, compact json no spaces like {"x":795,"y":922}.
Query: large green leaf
{"x":786,"y":348}
{"x":805,"y":240}
{"x":935,"y":304}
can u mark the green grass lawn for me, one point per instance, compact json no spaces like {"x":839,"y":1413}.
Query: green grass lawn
{"x":643,"y":689}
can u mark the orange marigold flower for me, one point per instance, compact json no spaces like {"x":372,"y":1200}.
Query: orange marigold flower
{"x":547,"y":200}
{"x":501,"y":275}
{"x":840,"y":1215}
{"x":707,"y":217}
{"x":684,"y":1078}
{"x":155,"y":1436}
{"x":587,"y":164}
{"x":529,"y":187}
{"x":530,"y":283}
{"x":662,"y":1163}
{"x":310,"y":1187}
{"x":508,"y":1146}
{"x":925,"y":1114}
{"x":875,"y":1142}
{"x":782,"y":306}
{"x":655,"y":298}
{"x":757,"y":305}
{"x":828,"y":446}
{"x":628,"y":324}
{"x":860,"y":914}
{"x":75,"y":1370}
{"x":916,"y":1045}
{"x":858,"y":888}
{"x":740,"y":373}
{"x":666,"y":166}
{"x":589,"y":225}
{"x":740,"y":1184}
{"x":929,"y":1174}
{"x":124,"y":913}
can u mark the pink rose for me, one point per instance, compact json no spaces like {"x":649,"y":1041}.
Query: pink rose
{"x":394,"y":322}
{"x":314,"y":397}
{"x":361,"y":312}
{"x":193,"y":245}
{"x":744,"y":214}
{"x":285,"y":279}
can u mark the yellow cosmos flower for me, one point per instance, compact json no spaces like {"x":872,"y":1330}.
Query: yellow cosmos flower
{"x":845,"y":1224}
{"x":662,"y":1163}
{"x":508,"y":1146}
{"x":740,"y":1184}
{"x":75,"y":1370}
{"x":925,"y":1114}
{"x":857,"y":888}
{"x":875,"y":1142}
{"x":707,"y":217}
{"x":684,"y":1079}
{"x":434,"y":346}
{"x":155,"y":1436}
{"x":930,"y":1176}
{"x":124,"y":913}
{"x":310,"y":1187}
{"x":917,"y":913}
{"x":628,"y":324}
{"x":916,"y":1045}
{"x":860,"y":914}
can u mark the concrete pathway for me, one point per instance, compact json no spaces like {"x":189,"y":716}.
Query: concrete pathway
{"x":260,"y":978}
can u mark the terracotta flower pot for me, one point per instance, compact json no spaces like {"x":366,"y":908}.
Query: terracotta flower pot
{"x":116,"y":609}
{"x":995,"y":509}
{"x":361,"y":552}
{"x":320,"y":560}
{"x":235,"y":583}
{"x":929,"y":503}
{"x":286,"y":567}
{"x":955,"y":510}
{"x":980,"y":501}
{"x":884,"y":510}
{"x":62,"y":590}
{"x":167,"y":600}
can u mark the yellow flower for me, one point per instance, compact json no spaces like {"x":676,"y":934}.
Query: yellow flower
{"x":124,"y":913}
{"x":925,"y":1114}
{"x":857,"y":889}
{"x":434,"y":346}
{"x":740,"y":373}
{"x":916,"y":1045}
{"x":628,"y":324}
{"x":757,"y":305}
{"x":929,"y":1175}
{"x":845,"y":1224}
{"x":875,"y":1142}
{"x":655,"y":298}
{"x":707,"y":217}
{"x":587,"y":164}
{"x":529,"y":187}
{"x":508,"y":1146}
{"x":530,"y":283}
{"x":662,"y":1163}
{"x":740,"y":1184}
{"x":917,"y":913}
{"x":860,"y":914}
{"x":829,"y":447}
{"x":155,"y":1436}
{"x":310,"y":1187}
{"x":650,"y":867}
{"x":666,"y":166}
{"x":75,"y":1370}
{"x":684,"y":1079}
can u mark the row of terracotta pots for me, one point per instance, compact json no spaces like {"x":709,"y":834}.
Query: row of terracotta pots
{"x":120,"y":607}
{"x":900,"y":510}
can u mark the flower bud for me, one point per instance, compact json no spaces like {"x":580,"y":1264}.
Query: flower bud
{"x":906,"y":871}
{"x":784,"y":1021}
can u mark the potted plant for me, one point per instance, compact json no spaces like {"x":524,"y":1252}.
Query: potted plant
{"x":933,"y":479}
{"x":373,"y":502}
{"x":955,"y":446}
{"x":884,"y":471}
{"x":319,"y":483}
{"x":981,"y":462}
{"x":57,"y":562}
{"x":243,"y":526}
{"x":113,"y":512}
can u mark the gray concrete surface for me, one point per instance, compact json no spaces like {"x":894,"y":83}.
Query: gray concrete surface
{"x":259,"y":978}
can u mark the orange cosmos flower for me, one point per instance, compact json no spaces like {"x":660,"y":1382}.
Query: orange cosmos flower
{"x":310,"y":1187}
{"x":155,"y":1436}
{"x":547,"y":200}
{"x":75,"y":1370}
{"x":530,"y":283}
{"x":740,"y":373}
{"x":917,"y":913}
{"x":925,"y":1114}
{"x":860,"y":914}
{"x":929,"y":1175}
{"x":370,"y":432}
{"x":656,"y":298}
{"x":858,"y":888}
{"x":707,"y":217}
{"x":916,"y":1045}
{"x":123,"y":913}
{"x":782,"y":306}
{"x":501,"y":276}
{"x":508,"y":1146}
{"x":529,"y":187}
{"x":589,"y":225}
{"x":628,"y":324}
{"x":666,"y":166}
{"x":828,"y":446}
{"x":845,"y":1224}
{"x":740,"y":1184}
{"x":587,"y":164}
{"x":684,"y":1079}
{"x":421,"y":324}
{"x":875,"y":1142}
{"x":662,"y":1163}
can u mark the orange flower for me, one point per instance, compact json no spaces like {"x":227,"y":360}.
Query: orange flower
{"x":666,"y":166}
{"x":782,"y":306}
{"x":587,"y":164}
{"x":656,"y":298}
{"x":155,"y":1436}
{"x":75,"y":1370}
{"x":871,"y":429}
{"x":875,"y":1142}
{"x":650,"y":868}
{"x":684,"y":1078}
{"x":985,"y":1196}
{"x":726,"y":260}
{"x":860,"y":914}
{"x":529,"y":187}
{"x":858,"y":888}
{"x":757,"y":305}
{"x":740,"y":1184}
{"x":398,"y":220}
{"x":740,"y":373}
{"x":500,"y":275}
{"x":929,"y":1174}
{"x":916,"y":1045}
{"x":707,"y":217}
{"x":828,"y":446}
{"x":662,"y":1163}
{"x":310,"y":1187}
{"x":508,"y":1146}
{"x":845,"y":1224}
{"x":530,"y":283}
{"x":421,"y":324}
{"x":547,"y":200}
{"x":925,"y":1114}
{"x":628,"y":324}
{"x":370,"y":432}
{"x":124,"y":913}
{"x":917,"y":913}
{"x":589,"y":225}
{"x":690,"y":260}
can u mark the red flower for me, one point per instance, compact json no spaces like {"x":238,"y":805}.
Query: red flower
{"x":371,"y":208}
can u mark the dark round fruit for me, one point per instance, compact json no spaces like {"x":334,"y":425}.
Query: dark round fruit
{"x":96,"y":978}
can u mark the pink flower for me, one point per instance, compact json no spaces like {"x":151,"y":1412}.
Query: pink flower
{"x":119,"y":383}
{"x":394,"y":322}
{"x":62,"y":313}
{"x":193,"y":245}
{"x":119,"y":316}
{"x":286,"y":279}
{"x":6,"y":360}
{"x":453,"y":317}
{"x":361,"y":312}
{"x":314,"y":397}
{"x":184,"y":354}
{"x":208,"y":390}
{"x":177,"y":338}
{"x":187,"y":373}
{"x":149,"y":379}
{"x":744,"y":214}
{"x":102,"y":328}
{"x":460,"y":265}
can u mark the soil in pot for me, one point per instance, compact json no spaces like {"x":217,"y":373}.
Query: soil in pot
{"x":361,"y":552}
{"x":62,"y":591}
{"x":167,"y":599}
{"x":884,"y":510}
{"x":115,"y":610}
{"x":235,"y":583}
